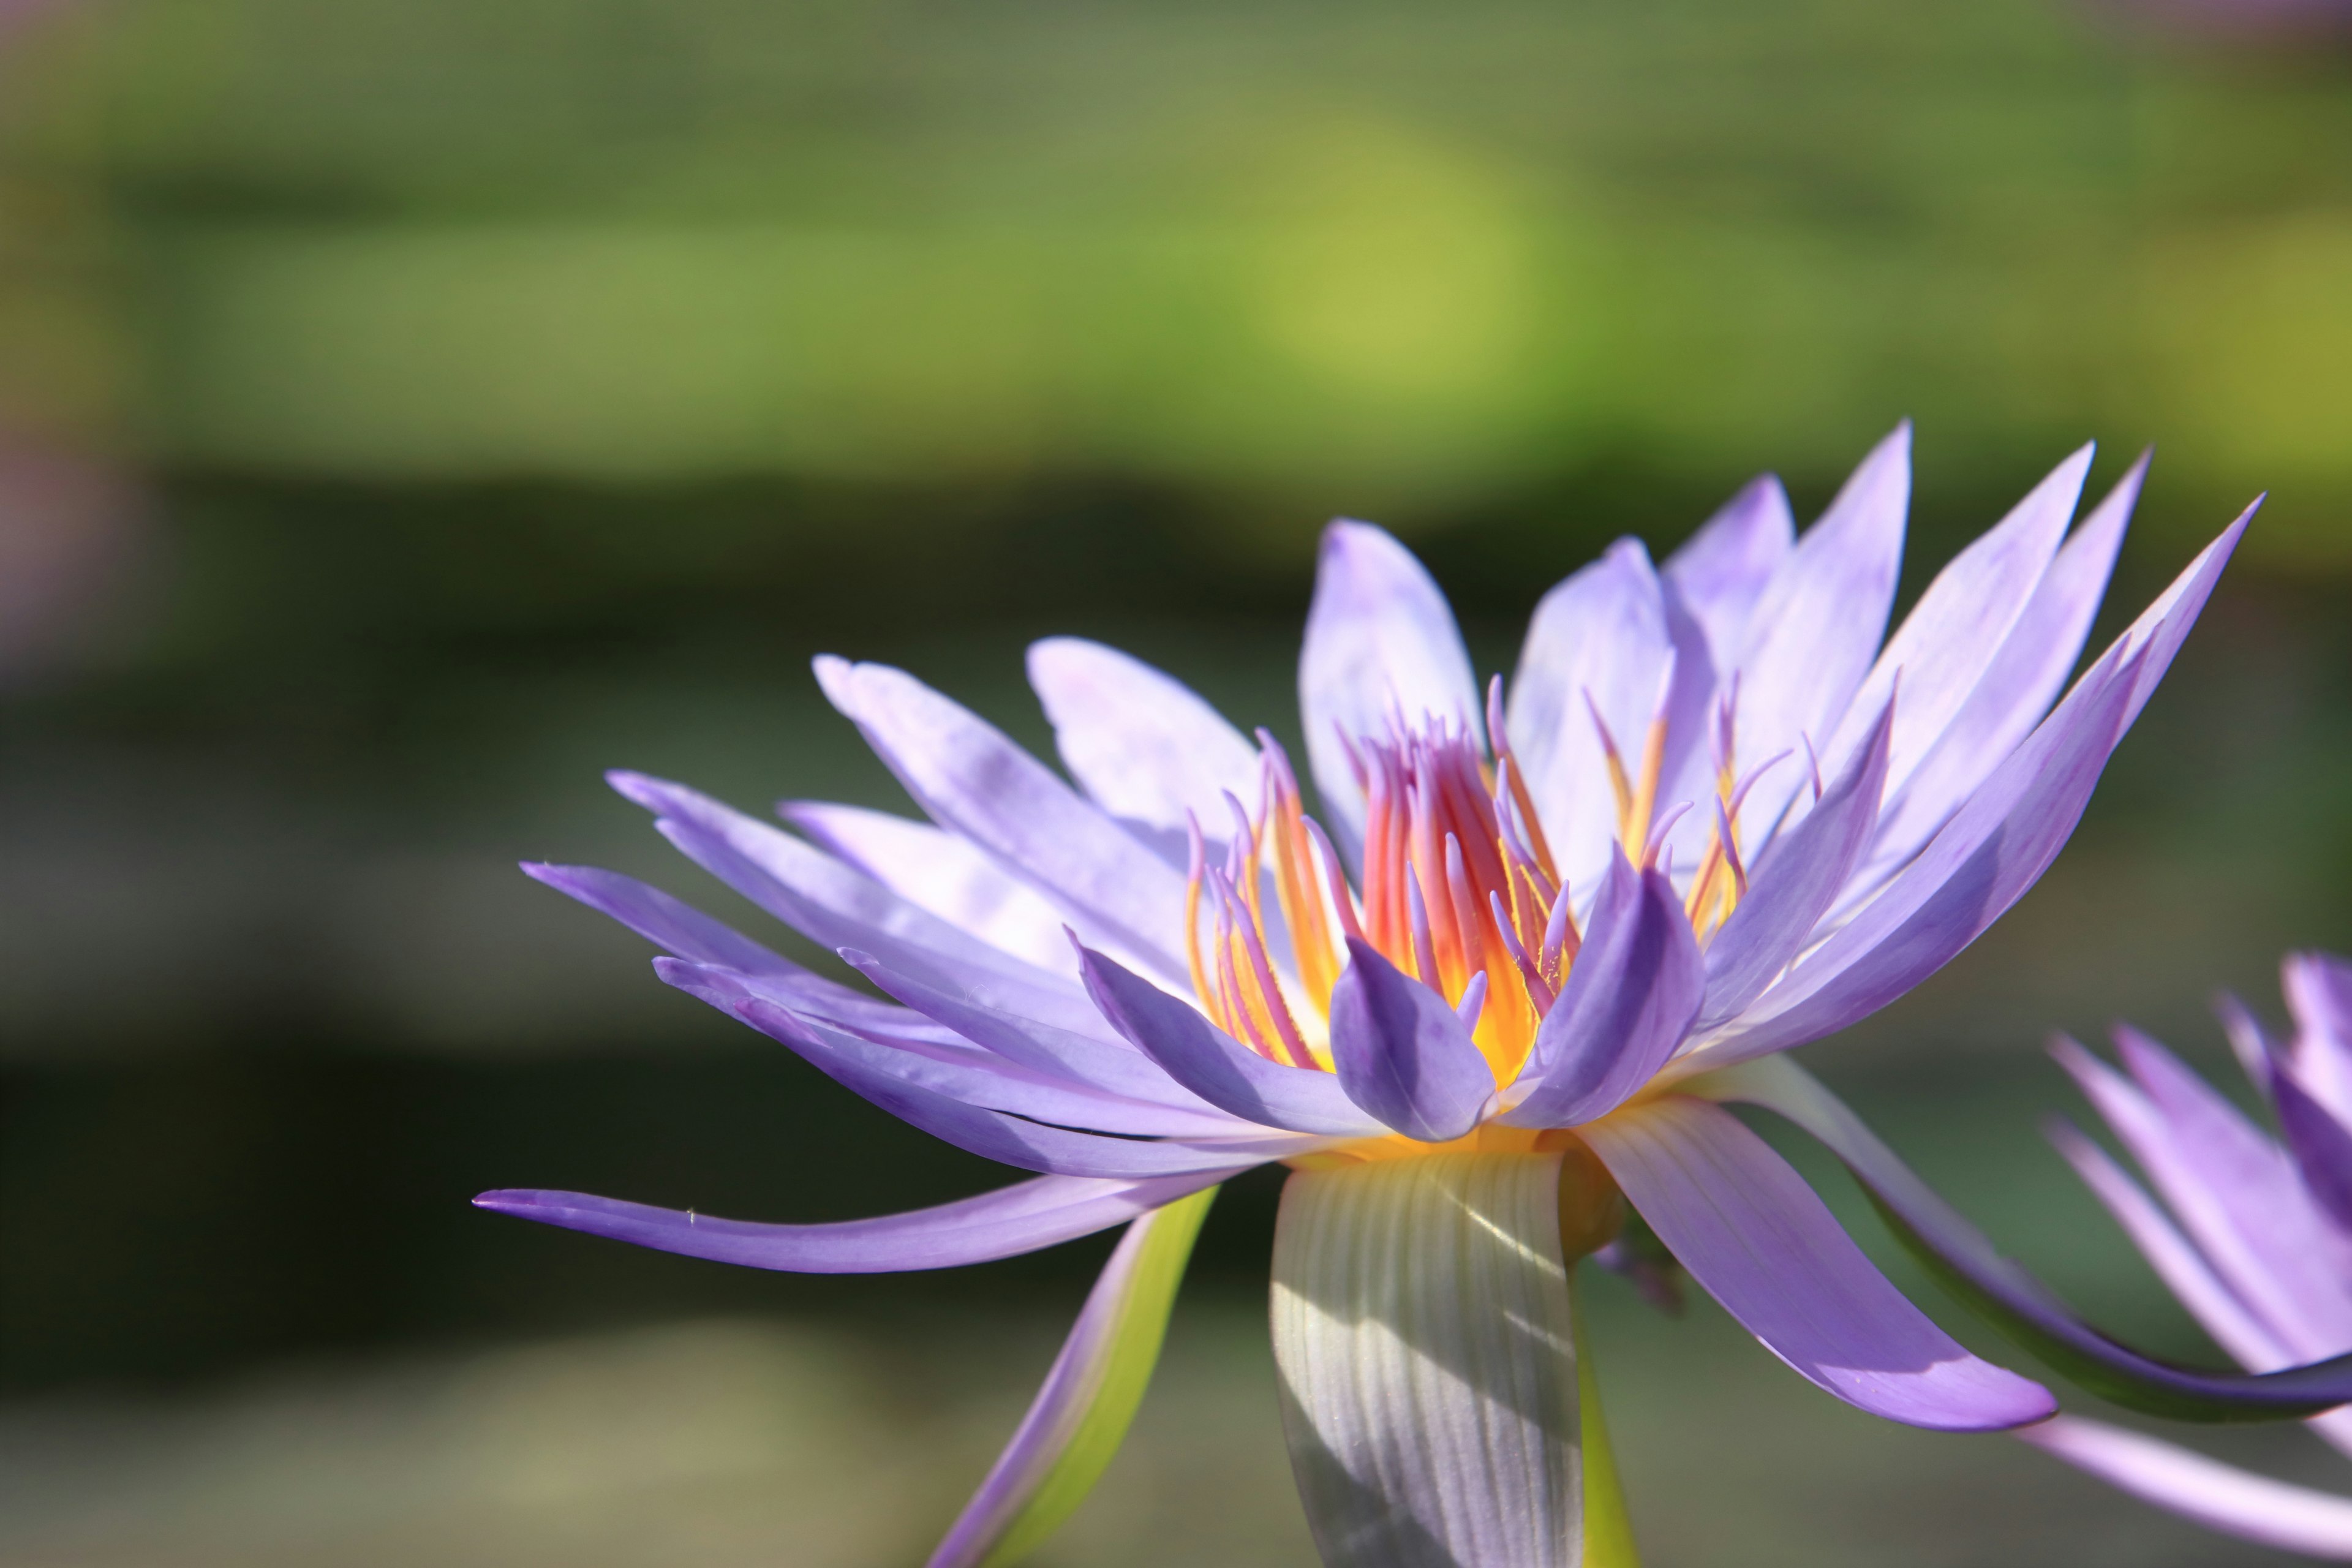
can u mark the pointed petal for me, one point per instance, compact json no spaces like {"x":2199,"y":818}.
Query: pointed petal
{"x":1114,"y":1068}
{"x":1381,"y":640}
{"x":1011,"y":1140}
{"x":1721,"y":571}
{"x":954,"y":1068}
{"x":2217,"y":1496}
{"x":934,"y":870}
{"x":1139,"y":742}
{"x":1748,"y":1229}
{"x":2318,"y":989}
{"x":1081,"y":1414}
{"x":1628,"y":1003}
{"x":837,"y":906}
{"x":968,"y":778}
{"x":1597,"y":643}
{"x":1991,"y":852}
{"x":1043,"y":1211}
{"x":1815,"y":630}
{"x":2184,"y":1270}
{"x":681,"y":930}
{"x":1402,"y":1053}
{"x":2017,"y":688}
{"x":1952,"y":637}
{"x":1797,"y":881}
{"x":1218,"y":1068}
{"x":2321,"y":1144}
{"x":1425,"y":1335}
{"x":2026,"y":1309}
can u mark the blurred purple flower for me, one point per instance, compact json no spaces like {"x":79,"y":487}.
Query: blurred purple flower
{"x":1497,"y":998}
{"x":2253,"y":1234}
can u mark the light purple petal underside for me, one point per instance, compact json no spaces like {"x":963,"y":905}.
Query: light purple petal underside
{"x":1042,"y":1212}
{"x":936,"y":870}
{"x":1752,"y":1233}
{"x":1402,"y":1053}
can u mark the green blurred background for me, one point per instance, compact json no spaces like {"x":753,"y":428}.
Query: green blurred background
{"x":416,"y":405}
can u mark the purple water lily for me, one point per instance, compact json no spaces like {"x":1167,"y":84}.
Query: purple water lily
{"x":1489,"y":999}
{"x":2253,"y":1234}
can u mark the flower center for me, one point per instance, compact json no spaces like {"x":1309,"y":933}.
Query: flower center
{"x":1459,"y":888}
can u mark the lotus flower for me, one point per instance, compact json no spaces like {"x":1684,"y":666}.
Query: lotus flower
{"x":2253,"y":1234}
{"x":1484,"y":1003}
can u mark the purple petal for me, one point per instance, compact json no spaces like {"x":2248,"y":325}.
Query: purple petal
{"x":1748,"y":1229}
{"x":1139,"y":742}
{"x":936,"y":870}
{"x":1075,"y":1424}
{"x":1598,"y":643}
{"x":2023,"y":1306}
{"x":688,"y":934}
{"x":1629,"y":1002}
{"x":2217,"y":1496}
{"x":1380,"y":641}
{"x":2024,"y":678}
{"x":874,"y":1072}
{"x":951,"y":1067}
{"x":1991,"y":852}
{"x":1952,"y":637}
{"x":1815,"y":630}
{"x":1797,"y":881}
{"x":2235,"y":1192}
{"x":1042,"y":1212}
{"x":2184,"y":1269}
{"x":1215,"y":1065}
{"x":837,"y":906}
{"x":1116,"y":1069}
{"x":1402,"y":1053}
{"x":1721,"y":571}
{"x":968,"y":778}
{"x":2319,"y":992}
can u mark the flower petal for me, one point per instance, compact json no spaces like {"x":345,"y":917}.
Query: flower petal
{"x":2236,"y":1192}
{"x":1628,"y":1003}
{"x":1380,"y":641}
{"x":1952,"y":637}
{"x":1141,"y":744}
{"x":1043,"y":1211}
{"x":1081,"y":1414}
{"x":1116,"y":1068}
{"x":1797,"y":881}
{"x":837,"y":907}
{"x":2025,"y":1308}
{"x":1425,"y":1335}
{"x":1402,"y":1053}
{"x":2017,"y":688}
{"x":952,"y":1067}
{"x":934,"y":870}
{"x":2217,"y":1496}
{"x":687,"y":932}
{"x":2321,"y":1144}
{"x":1721,"y":571}
{"x":1597,"y":643}
{"x":968,"y":778}
{"x":1215,"y":1065}
{"x":1811,"y":637}
{"x":2318,"y":988}
{"x":1991,"y":852}
{"x":864,"y":1069}
{"x":2173,"y":1256}
{"x":1748,"y":1229}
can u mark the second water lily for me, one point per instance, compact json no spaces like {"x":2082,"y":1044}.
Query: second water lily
{"x":1492,"y":993}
